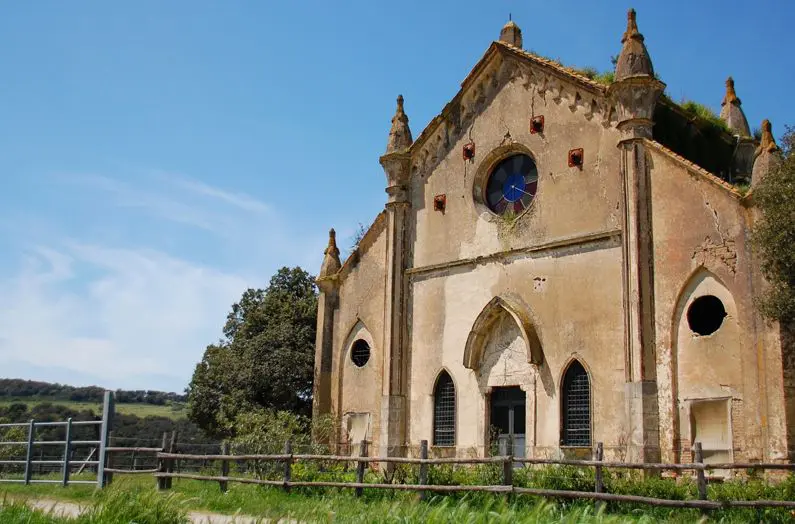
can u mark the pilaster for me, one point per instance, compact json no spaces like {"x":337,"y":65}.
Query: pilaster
{"x":394,"y":405}
{"x":324,"y":345}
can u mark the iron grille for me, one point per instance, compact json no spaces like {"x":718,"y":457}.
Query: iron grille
{"x":360,"y":353}
{"x":576,"y":407}
{"x":444,"y":411}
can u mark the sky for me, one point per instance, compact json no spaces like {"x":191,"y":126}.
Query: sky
{"x":158,"y":158}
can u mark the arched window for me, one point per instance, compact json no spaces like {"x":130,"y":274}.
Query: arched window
{"x":576,"y":407}
{"x":444,"y":411}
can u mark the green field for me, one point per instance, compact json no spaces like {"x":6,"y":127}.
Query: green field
{"x":174,"y":411}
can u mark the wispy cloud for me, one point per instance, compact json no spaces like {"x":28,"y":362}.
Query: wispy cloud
{"x":156,"y":202}
{"x":198,"y":187}
{"x":92,"y":302}
{"x":124,"y":315}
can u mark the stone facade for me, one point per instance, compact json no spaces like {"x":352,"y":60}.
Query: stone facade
{"x":613,"y":303}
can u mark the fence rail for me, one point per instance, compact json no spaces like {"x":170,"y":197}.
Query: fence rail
{"x":167,"y":460}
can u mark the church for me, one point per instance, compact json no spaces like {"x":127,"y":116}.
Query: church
{"x":563,"y":259}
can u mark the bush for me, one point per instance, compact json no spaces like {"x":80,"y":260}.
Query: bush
{"x":264,"y":432}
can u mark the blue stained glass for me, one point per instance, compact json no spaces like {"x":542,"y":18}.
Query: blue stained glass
{"x":513,"y":188}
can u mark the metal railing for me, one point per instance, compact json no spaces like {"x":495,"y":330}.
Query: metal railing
{"x":66,"y":463}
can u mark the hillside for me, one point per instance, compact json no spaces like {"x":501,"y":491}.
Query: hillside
{"x":173,"y":411}
{"x":139,"y":423}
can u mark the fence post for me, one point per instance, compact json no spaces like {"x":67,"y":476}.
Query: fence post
{"x":134,"y":461}
{"x":161,"y":464}
{"x":288,"y":465}
{"x":701,"y":477}
{"x":67,"y":450}
{"x":104,"y":433}
{"x":29,"y":452}
{"x":172,"y":447}
{"x":109,"y":460}
{"x":423,"y":468}
{"x":507,"y":466}
{"x":360,"y":465}
{"x":224,"y":467}
{"x":600,"y":456}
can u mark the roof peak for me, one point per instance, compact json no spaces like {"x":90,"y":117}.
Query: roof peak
{"x":511,"y":33}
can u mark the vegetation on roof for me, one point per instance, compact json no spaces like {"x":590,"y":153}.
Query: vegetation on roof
{"x":703,"y":112}
{"x":703,"y":143}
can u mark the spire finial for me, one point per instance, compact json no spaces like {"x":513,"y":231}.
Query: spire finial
{"x":331,"y":259}
{"x":732,"y":113}
{"x":632,"y":27}
{"x":509,"y":17}
{"x":399,"y":134}
{"x":634,"y":59}
{"x":768,"y":143}
{"x":731,"y":94}
{"x":332,"y":243}
{"x":768,"y":155}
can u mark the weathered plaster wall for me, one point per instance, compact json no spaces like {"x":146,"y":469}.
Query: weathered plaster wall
{"x":569,"y":280}
{"x":569,"y":202}
{"x":700,"y":232}
{"x":360,"y":314}
{"x":447,"y":304}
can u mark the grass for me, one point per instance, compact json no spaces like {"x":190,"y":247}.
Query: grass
{"x":704,"y":113}
{"x":175,"y":411}
{"x":111,"y":506}
{"x":327,"y":505}
{"x":130,"y":500}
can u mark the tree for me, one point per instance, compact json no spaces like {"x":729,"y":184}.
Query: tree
{"x":266,"y":359}
{"x":774,"y":235}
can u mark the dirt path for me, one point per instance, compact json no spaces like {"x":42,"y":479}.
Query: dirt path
{"x":71,"y":509}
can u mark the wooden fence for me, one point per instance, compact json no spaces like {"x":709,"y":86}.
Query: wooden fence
{"x":167,"y":460}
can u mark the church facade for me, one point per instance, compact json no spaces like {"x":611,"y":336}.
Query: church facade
{"x":560,"y":262}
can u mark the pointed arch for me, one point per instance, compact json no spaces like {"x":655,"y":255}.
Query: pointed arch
{"x":444,"y":410}
{"x":358,"y":331}
{"x":575,"y":406}
{"x":698,"y":280}
{"x":476,"y":341}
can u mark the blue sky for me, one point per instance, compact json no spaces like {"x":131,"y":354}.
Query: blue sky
{"x":158,"y":158}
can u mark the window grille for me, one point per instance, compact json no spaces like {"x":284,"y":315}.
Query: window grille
{"x":444,"y":411}
{"x":360,"y":353}
{"x":576,"y":410}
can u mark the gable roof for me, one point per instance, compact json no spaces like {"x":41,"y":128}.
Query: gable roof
{"x":694,"y":168}
{"x":499,"y":48}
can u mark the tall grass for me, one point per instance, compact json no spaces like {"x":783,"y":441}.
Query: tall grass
{"x":142,"y":506}
{"x":135,"y":499}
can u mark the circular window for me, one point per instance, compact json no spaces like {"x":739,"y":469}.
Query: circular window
{"x":360,"y":353}
{"x":512,"y":185}
{"x":705,"y":315}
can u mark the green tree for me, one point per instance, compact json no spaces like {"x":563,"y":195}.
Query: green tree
{"x":774,"y":235}
{"x":266,"y":359}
